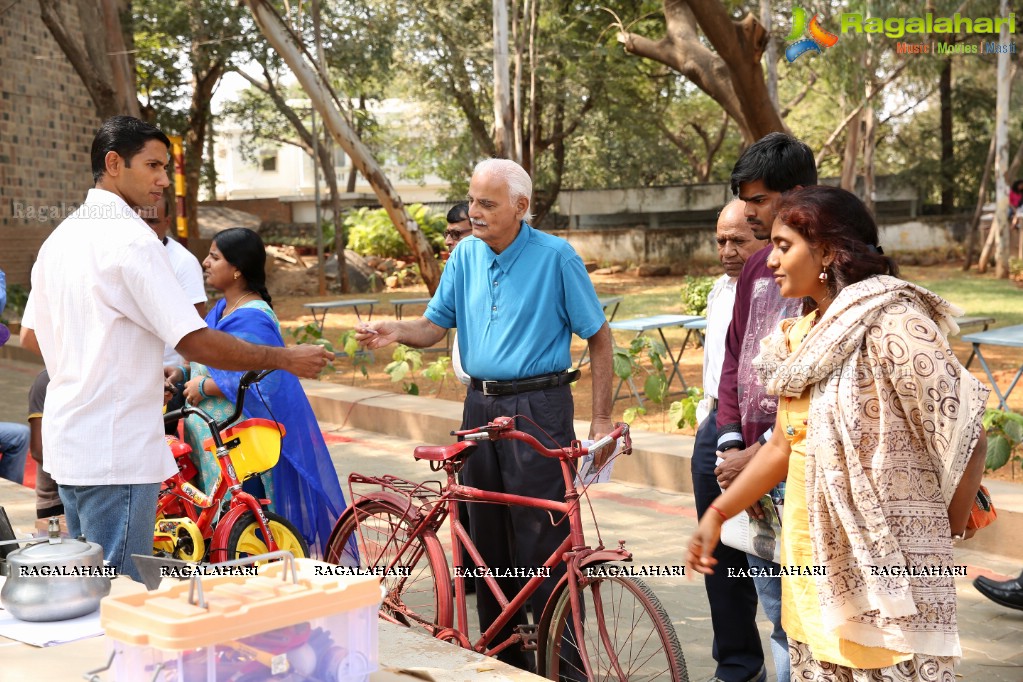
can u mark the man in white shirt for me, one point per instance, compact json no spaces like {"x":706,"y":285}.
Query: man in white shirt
{"x":733,"y":601}
{"x":187,"y":268}
{"x":458,"y":228}
{"x":104,"y":301}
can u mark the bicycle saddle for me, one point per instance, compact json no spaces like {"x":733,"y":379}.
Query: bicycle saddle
{"x":442,"y":453}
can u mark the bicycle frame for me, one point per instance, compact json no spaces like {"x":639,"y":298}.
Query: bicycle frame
{"x":211,"y":525}
{"x":573,"y":551}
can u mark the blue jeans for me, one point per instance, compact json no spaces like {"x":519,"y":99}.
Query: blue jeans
{"x":769,"y":592}
{"x":119,"y":518}
{"x":733,"y":600}
{"x":14,"y":449}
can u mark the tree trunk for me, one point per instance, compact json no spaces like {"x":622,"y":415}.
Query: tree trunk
{"x":770,"y":53}
{"x":947,"y":146}
{"x":99,"y":57}
{"x":974,"y":229}
{"x":852,"y":154}
{"x":325,"y":101}
{"x":326,"y":159}
{"x":733,"y":76}
{"x":503,"y":118}
{"x":206,"y":73}
{"x":1000,"y":226}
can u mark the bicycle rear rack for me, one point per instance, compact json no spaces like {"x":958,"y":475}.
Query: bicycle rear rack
{"x":422,"y":497}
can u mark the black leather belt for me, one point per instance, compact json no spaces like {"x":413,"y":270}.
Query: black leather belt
{"x":523,"y":385}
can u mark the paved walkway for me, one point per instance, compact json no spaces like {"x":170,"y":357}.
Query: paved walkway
{"x":656,"y":525}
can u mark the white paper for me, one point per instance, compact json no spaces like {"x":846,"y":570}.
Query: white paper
{"x":587,"y":474}
{"x":51,"y":632}
{"x":762,"y":538}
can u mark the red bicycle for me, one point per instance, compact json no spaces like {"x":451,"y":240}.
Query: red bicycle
{"x":599,"y":624}
{"x":192,"y":525}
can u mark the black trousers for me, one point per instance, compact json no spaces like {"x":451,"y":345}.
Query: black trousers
{"x":733,"y":601}
{"x":517,"y":536}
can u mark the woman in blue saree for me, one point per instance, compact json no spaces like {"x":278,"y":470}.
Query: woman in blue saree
{"x":303,"y":487}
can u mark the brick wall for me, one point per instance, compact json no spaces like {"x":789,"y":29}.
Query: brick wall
{"x":47,"y":122}
{"x":269,"y":210}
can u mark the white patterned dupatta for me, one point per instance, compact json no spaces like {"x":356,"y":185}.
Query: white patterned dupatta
{"x":893,"y":420}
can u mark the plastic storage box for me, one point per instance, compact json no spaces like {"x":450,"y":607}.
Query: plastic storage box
{"x":270,"y":626}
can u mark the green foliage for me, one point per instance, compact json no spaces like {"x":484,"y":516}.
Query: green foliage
{"x":630,"y":413}
{"x":359,"y":359}
{"x":682,"y":413}
{"x":438,"y":372}
{"x":371,"y":232}
{"x":694,"y":294}
{"x":405,"y":363}
{"x":17,"y":297}
{"x":627,"y":364}
{"x":1004,"y":433}
{"x":311,"y":333}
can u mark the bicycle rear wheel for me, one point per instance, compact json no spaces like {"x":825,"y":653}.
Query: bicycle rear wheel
{"x":246,"y":537}
{"x":626,"y":634}
{"x":377,"y":530}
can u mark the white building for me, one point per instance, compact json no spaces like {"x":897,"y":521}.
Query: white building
{"x":286,"y":172}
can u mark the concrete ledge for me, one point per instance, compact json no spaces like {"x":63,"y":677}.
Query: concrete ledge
{"x":658,"y":459}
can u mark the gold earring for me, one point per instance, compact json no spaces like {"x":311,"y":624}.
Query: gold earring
{"x":236,"y":274}
{"x":823,"y":277}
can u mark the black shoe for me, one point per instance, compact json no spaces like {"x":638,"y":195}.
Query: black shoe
{"x":1008,"y":593}
{"x":760,"y":676}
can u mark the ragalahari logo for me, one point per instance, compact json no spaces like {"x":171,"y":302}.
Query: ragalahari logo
{"x":817,"y":41}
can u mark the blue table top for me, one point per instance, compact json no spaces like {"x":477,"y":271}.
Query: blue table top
{"x":341,"y":304}
{"x":1006,"y":336}
{"x":698,"y":324}
{"x":609,"y":300}
{"x":409,"y":301}
{"x":642,"y":324}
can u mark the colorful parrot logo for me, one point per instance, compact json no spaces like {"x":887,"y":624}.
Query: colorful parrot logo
{"x":817,"y":41}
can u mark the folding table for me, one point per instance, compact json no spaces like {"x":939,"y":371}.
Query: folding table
{"x":658,"y":323}
{"x":321,"y":308}
{"x":1010,"y":337}
{"x":605,"y":302}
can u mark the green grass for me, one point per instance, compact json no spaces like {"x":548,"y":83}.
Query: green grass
{"x":978,"y":295}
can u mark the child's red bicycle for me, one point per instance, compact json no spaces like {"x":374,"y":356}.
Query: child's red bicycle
{"x":228,"y":523}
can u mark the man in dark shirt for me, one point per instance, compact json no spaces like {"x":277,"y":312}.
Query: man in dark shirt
{"x":771,"y":166}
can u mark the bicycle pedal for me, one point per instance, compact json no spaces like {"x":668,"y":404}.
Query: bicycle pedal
{"x":528,"y":632}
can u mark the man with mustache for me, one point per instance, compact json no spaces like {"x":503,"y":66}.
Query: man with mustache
{"x":770,"y":166}
{"x":516,"y":296}
{"x":733,"y":601}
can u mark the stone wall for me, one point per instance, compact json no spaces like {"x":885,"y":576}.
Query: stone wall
{"x":47,"y":122}
{"x":696,"y":243}
{"x":269,"y":210}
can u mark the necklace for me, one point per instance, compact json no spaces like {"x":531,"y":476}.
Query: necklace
{"x":813,"y":323}
{"x":236,"y":304}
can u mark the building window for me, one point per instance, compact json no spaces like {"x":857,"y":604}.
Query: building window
{"x":268,"y":161}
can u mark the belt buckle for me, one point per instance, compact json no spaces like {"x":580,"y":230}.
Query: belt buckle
{"x":486,"y":388}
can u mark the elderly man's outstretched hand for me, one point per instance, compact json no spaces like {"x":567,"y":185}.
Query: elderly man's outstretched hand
{"x":375,"y":335}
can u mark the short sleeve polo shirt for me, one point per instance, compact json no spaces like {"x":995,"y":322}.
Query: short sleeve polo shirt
{"x":516,"y":311}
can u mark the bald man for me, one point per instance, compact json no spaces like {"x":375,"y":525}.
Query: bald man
{"x":733,"y":601}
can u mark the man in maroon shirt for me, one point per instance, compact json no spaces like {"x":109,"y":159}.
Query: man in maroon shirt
{"x":772,"y":165}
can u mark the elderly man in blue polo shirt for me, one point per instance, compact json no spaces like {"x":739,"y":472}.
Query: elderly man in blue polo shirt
{"x":516,"y":296}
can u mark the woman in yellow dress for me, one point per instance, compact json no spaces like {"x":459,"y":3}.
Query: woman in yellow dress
{"x":880,"y":439}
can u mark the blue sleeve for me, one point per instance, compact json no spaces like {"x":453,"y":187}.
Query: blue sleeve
{"x":442,"y":307}
{"x":3,"y":292}
{"x":586,"y":316}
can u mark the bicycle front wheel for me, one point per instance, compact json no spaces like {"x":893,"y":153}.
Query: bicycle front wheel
{"x":246,"y":537}
{"x":626,"y":635}
{"x":371,"y":534}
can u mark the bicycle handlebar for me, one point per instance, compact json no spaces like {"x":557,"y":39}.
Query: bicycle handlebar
{"x":503,"y":428}
{"x":248,"y":379}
